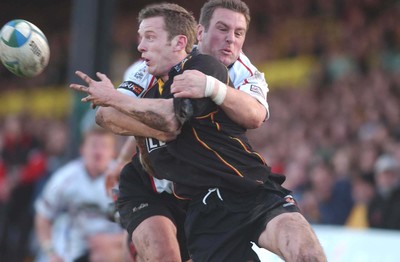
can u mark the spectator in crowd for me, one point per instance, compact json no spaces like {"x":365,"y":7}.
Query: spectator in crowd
{"x":333,"y":196}
{"x":383,"y":211}
{"x":363,"y":190}
{"x":22,"y":167}
{"x":71,"y":213}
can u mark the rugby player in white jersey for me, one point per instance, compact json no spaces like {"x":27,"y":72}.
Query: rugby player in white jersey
{"x":71,"y":217}
{"x":229,"y":33}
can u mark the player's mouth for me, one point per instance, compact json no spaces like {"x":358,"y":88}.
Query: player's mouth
{"x":147,"y":61}
{"x":226,"y":51}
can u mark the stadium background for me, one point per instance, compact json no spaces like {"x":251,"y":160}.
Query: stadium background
{"x":333,"y":71}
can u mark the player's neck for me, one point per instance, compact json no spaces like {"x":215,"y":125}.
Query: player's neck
{"x":176,"y":60}
{"x":93,"y":172}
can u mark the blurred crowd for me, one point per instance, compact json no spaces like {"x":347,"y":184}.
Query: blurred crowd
{"x":336,"y":138}
{"x":31,"y":150}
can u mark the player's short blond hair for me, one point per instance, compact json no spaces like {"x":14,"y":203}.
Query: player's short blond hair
{"x":178,"y":21}
{"x":97,"y":130}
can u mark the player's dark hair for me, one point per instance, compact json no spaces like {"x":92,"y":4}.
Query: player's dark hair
{"x":178,"y":21}
{"x":210,"y":6}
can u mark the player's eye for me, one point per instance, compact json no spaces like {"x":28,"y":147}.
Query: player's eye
{"x":150,"y":37}
{"x":223,"y":29}
{"x":239,"y":33}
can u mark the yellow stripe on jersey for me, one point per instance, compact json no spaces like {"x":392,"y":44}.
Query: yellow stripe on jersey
{"x":179,"y":197}
{"x":247,"y":150}
{"x":211,"y":116}
{"x":216,"y":123}
{"x":220,"y":158}
{"x":160,"y":86}
{"x":208,"y":115}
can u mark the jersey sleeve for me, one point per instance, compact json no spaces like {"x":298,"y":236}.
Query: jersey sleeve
{"x":257,"y":87}
{"x":137,"y":79}
{"x":247,"y":78}
{"x":52,"y":201}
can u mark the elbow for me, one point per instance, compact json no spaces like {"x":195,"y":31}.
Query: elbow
{"x":100,"y":117}
{"x":167,"y":136}
{"x":172,"y":127}
{"x":253,"y":123}
{"x":256,"y":124}
{"x":168,"y":124}
{"x":255,"y":119}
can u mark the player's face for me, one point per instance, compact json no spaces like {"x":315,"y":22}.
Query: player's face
{"x":98,"y":151}
{"x":225,"y":36}
{"x":155,"y":47}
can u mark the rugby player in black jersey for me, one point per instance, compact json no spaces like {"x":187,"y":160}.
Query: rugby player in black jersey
{"x":212,"y":163}
{"x":216,"y":38}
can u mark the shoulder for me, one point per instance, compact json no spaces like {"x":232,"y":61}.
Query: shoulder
{"x":202,"y":61}
{"x":243,"y":66}
{"x":207,"y":64}
{"x":243,"y":72}
{"x":136,"y":72}
{"x":67,"y":172}
{"x":136,"y":79}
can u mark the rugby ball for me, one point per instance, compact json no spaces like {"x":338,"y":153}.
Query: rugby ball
{"x":24,"y":49}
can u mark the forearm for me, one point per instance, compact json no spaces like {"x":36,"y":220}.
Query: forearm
{"x":155,"y":113}
{"x":122,"y":124}
{"x":127,"y":150}
{"x":243,"y":109}
{"x":43,"y":228}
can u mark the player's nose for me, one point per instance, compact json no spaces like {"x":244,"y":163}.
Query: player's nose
{"x":141,"y":47}
{"x":230,"y":36}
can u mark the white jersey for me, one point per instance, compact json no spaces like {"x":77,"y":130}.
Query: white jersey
{"x":77,"y":205}
{"x":243,"y":74}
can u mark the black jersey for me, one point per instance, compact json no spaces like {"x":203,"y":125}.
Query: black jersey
{"x":211,"y":150}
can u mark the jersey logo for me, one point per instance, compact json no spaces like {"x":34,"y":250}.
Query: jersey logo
{"x":180,"y":66}
{"x":289,"y":201}
{"x":132,"y":87}
{"x":140,"y":74}
{"x":153,"y":144}
{"x":257,"y":90}
{"x":141,"y":206}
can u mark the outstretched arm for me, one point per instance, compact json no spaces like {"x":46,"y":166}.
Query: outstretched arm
{"x":155,"y":113}
{"x":241,"y":107}
{"x":122,"y":124}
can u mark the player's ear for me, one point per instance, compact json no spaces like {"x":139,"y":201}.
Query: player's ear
{"x":179,"y":42}
{"x":200,"y":31}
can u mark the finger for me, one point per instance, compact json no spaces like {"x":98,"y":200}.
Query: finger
{"x":86,"y":99}
{"x":179,"y":77}
{"x":84,"y":77}
{"x":79,"y":87}
{"x":175,"y":89}
{"x":102,"y":76}
{"x":180,"y":94}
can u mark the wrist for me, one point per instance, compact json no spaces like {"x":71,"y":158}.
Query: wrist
{"x":48,"y":248}
{"x":215,"y":90}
